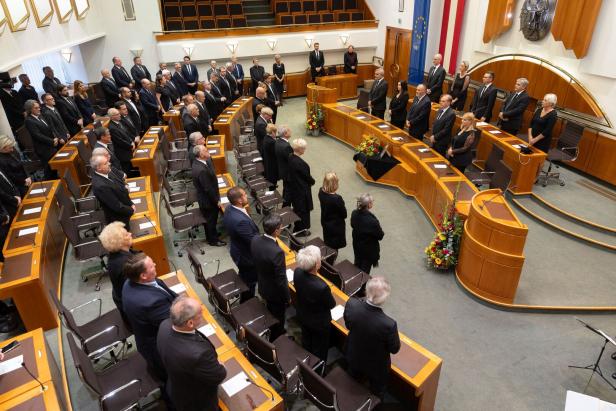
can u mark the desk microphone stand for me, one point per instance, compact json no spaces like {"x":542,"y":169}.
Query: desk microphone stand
{"x":595,"y":367}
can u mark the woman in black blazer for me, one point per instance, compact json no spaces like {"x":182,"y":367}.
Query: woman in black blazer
{"x":367,"y":233}
{"x":397,"y":105}
{"x":12,"y":167}
{"x":542,"y":123}
{"x":460,"y":153}
{"x":333,"y":212}
{"x":299,"y":186}
{"x":350,"y":60}
{"x":279,"y":75}
{"x":83,"y":103}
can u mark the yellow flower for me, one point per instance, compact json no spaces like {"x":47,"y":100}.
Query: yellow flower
{"x":442,"y":237}
{"x":437,"y":261}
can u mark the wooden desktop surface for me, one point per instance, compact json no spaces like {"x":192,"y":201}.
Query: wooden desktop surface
{"x":228,"y":122}
{"x":346,"y":84}
{"x":148,"y":156}
{"x":217,"y":148}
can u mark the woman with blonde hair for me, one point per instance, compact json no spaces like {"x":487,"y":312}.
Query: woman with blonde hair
{"x":83,"y":102}
{"x":459,"y":87}
{"x":542,"y":123}
{"x":459,"y":153}
{"x":11,"y":165}
{"x":300,"y":182}
{"x":333,"y":212}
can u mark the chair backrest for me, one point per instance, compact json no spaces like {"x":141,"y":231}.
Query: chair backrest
{"x":331,"y":70}
{"x":570,"y":136}
{"x":501,"y":177}
{"x":84,"y":365}
{"x":320,"y":392}
{"x":65,"y":313}
{"x":197,"y":268}
{"x":496,"y":155}
{"x":321,"y":5}
{"x":314,"y":18}
{"x":263,"y":352}
{"x":91,"y":138}
{"x":300,"y":19}
{"x":68,"y":227}
{"x":24,"y":139}
{"x":223,"y":22}
{"x":167,"y":206}
{"x":327,"y":17}
{"x":221,"y":302}
{"x":71,"y":185}
{"x":332,"y":274}
{"x":64,"y":200}
{"x":207,"y":23}
{"x":85,"y":153}
{"x":282,"y":7}
{"x":295,"y":244}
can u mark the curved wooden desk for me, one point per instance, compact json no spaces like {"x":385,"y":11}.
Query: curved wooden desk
{"x":228,"y":122}
{"x":346,"y":84}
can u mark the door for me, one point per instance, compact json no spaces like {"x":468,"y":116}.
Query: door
{"x":397,"y":56}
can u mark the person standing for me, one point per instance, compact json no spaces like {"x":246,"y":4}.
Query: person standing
{"x":333,"y":212}
{"x":53,"y":118}
{"x":459,"y":87}
{"x":484,"y":98}
{"x":436,"y":77}
{"x":317,"y":62}
{"x":123,"y":142}
{"x":12,"y":166}
{"x":110,"y":88}
{"x":272,"y":99}
{"x":238,"y":72}
{"x":443,"y":125}
{"x":459,"y":153}
{"x":120,"y":75}
{"x":542,"y":123}
{"x":256,"y":75}
{"x":103,"y":140}
{"x":279,"y":76}
{"x":139,"y":73}
{"x":193,"y":370}
{"x":260,"y":127}
{"x":80,"y":90}
{"x":208,"y":195}
{"x":269,"y":155}
{"x":50,"y":82}
{"x":350,"y":60}
{"x":111,"y":192}
{"x":191,"y":74}
{"x":150,"y":103}
{"x":45,"y":143}
{"x":300,"y":183}
{"x":512,"y":113}
{"x":68,"y":111}
{"x":377,"y":99}
{"x":26,"y":91}
{"x":283,"y":150}
{"x":397,"y":105}
{"x":418,"y":118}
{"x":367,"y":233}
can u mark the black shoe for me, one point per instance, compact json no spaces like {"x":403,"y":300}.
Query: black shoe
{"x":218,"y":243}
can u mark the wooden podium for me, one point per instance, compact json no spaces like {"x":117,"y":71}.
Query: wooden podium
{"x":346,"y":84}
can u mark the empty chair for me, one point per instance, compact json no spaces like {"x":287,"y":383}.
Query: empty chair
{"x":235,"y":8}
{"x":300,"y":19}
{"x":220,"y":8}
{"x":207,"y":23}
{"x":254,"y":315}
{"x":308,"y":6}
{"x":238,"y":21}
{"x":119,"y":387}
{"x":204,"y":8}
{"x":343,"y":16}
{"x":191,"y":23}
{"x":321,"y":5}
{"x":350,"y":4}
{"x":480,"y":177}
{"x":197,"y":268}
{"x":82,"y":203}
{"x":337,"y":4}
{"x":327,"y":17}
{"x":285,"y":19}
{"x":327,"y":253}
{"x":188,"y":9}
{"x":281,"y":7}
{"x":357,"y":16}
{"x":287,"y":217}
{"x":295,"y":6}
{"x":174,"y":24}
{"x":346,"y":276}
{"x":172,"y":9}
{"x":279,"y":358}
{"x":336,"y":391}
{"x":314,"y":18}
{"x":501,"y":177}
{"x":223,"y":22}
{"x":331,"y":70}
{"x":184,"y":222}
{"x":567,"y":149}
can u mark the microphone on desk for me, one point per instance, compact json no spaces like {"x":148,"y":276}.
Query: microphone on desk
{"x":262,"y":387}
{"x":43,"y":387}
{"x":175,"y":269}
{"x":481,"y":206}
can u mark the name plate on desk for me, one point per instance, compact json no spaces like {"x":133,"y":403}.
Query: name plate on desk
{"x":27,"y":231}
{"x":32,"y":210}
{"x":148,"y":140}
{"x":63,"y":154}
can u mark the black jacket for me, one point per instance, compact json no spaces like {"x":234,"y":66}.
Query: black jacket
{"x":255,"y":102}
{"x":300,"y":182}
{"x":174,"y":93}
{"x":70,"y":113}
{"x":14,"y":170}
{"x":397,"y":105}
{"x":13,"y":107}
{"x":121,"y":76}
{"x":482,"y":105}
{"x":113,"y":159}
{"x":378,"y":95}
{"x":283,"y":151}
{"x":113,"y":197}
{"x":8,"y":192}
{"x":333,"y":216}
{"x":193,"y":76}
{"x":316,"y":62}
{"x":139,"y":75}
{"x":269,"y":159}
{"x":180,"y":82}
{"x":115,"y":268}
{"x":434,"y":82}
{"x":256,"y":75}
{"x":213,"y":105}
{"x":350,"y":60}
{"x":111,"y":91}
{"x":206,"y":184}
{"x":441,"y":129}
{"x":42,"y":137}
{"x":269,"y":261}
{"x":204,"y":117}
{"x":313,"y":300}
{"x":122,"y":141}
{"x":419,"y":117}
{"x":54,"y":119}
{"x":193,"y":370}
{"x":50,"y":85}
{"x":367,"y":233}
{"x":260,"y":133}
{"x":241,"y":229}
{"x":135,"y":114}
{"x":513,"y":110}
{"x":192,"y":125}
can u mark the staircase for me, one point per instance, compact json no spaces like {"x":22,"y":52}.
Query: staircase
{"x":258,"y":13}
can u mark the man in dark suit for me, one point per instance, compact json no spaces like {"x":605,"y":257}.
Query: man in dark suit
{"x":45,"y":143}
{"x":512,"y":113}
{"x":256,"y":75}
{"x":123,"y":142}
{"x":111,"y":192}
{"x":208,"y":195}
{"x":436,"y":77}
{"x":313,"y":302}
{"x":69,"y":111}
{"x":139,"y":72}
{"x":134,"y":110}
{"x":120,"y":75}
{"x":191,"y":74}
{"x":241,"y":229}
{"x":103,"y":139}
{"x":213,"y":69}
{"x":175,"y":94}
{"x":443,"y":125}
{"x":127,"y":122}
{"x":224,"y":85}
{"x":179,"y":80}
{"x":373,"y":336}
{"x":265,"y":117}
{"x":228,"y":77}
{"x":190,"y":359}
{"x":204,"y":115}
{"x":272,"y":99}
{"x":13,"y":106}
{"x":377,"y":99}
{"x":146,"y":301}
{"x":26,"y":91}
{"x":217,"y":91}
{"x":317,"y":61}
{"x":50,"y":83}
{"x":238,"y":72}
{"x":283,"y":150}
{"x":110,"y":88}
{"x":191,"y":122}
{"x":269,"y":261}
{"x":194,"y":139}
{"x":161,"y":67}
{"x":418,"y":118}
{"x":54,"y":119}
{"x":149,"y":103}
{"x":259,"y":98}
{"x":484,"y":98}
{"x":213,"y":104}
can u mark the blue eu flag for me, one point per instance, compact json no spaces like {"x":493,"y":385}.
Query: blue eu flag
{"x":421,"y":16}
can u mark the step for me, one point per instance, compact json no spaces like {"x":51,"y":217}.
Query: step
{"x":260,"y":22}
{"x":257,"y":9}
{"x":252,"y":3}
{"x":261,"y":15}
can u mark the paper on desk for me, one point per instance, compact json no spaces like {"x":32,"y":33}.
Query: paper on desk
{"x":63,"y":154}
{"x":148,"y":224}
{"x":495,"y":131}
{"x":257,"y":159}
{"x":361,"y":117}
{"x":518,"y":146}
{"x":207,"y":330}
{"x":221,"y":180}
{"x":224,"y":200}
{"x":143,"y":150}
{"x":74,"y":142}
{"x":440,"y":166}
{"x":133,"y":189}
{"x":222,"y":120}
{"x":11,"y":365}
{"x":337,"y":312}
{"x":27,"y":231}
{"x":289,"y":275}
{"x":221,"y":185}
{"x":423,"y":150}
{"x":154,"y":128}
{"x":38,"y":190}
{"x":148,"y":140}
{"x":481,"y":123}
{"x":230,"y":112}
{"x":32,"y":210}
{"x":132,"y":184}
{"x":178,"y":288}
{"x":235,"y":105}
{"x":383,"y":126}
{"x":212,"y":142}
{"x":136,"y":201}
{"x":398,"y":138}
{"x":212,"y":151}
{"x":235,"y":384}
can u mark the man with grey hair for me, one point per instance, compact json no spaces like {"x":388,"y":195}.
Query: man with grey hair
{"x":194,"y":139}
{"x":211,"y":70}
{"x":373,"y":336}
{"x":367,"y":233}
{"x":149,"y":102}
{"x":193,"y":370}
{"x":116,"y":171}
{"x":261,"y":122}
{"x":313,"y":302}
{"x":110,"y":88}
{"x":377,"y":99}
{"x":259,"y":98}
{"x":111,"y":192}
{"x":435,"y":79}
{"x":300,"y":184}
{"x":208,"y":195}
{"x":120,"y":75}
{"x":204,"y":116}
{"x":179,"y":80}
{"x":190,"y":120}
{"x":512,"y":112}
{"x":283,"y":151}
{"x":123,"y":142}
{"x":103,"y":142}
{"x":418,"y":118}
{"x":173,"y":90}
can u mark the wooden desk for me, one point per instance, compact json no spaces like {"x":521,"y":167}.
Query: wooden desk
{"x":33,"y":262}
{"x":320,"y":94}
{"x":18,"y":390}
{"x":174,"y":116}
{"x":148,"y":157}
{"x":216,"y":146}
{"x":345,"y":84}
{"x":229,"y":121}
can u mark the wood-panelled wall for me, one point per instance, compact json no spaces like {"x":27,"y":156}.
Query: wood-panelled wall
{"x":499,"y":18}
{"x":574,"y":24}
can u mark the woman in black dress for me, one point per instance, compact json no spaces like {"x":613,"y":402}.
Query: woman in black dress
{"x":333,"y":213}
{"x":162,"y":93}
{"x":300,"y":182}
{"x":12,"y":167}
{"x":459,"y":87}
{"x":269,"y":155}
{"x":367,"y":233}
{"x":397,"y":105}
{"x":350,"y":60}
{"x":459,"y":153}
{"x":540,"y":131}
{"x":83,"y":103}
{"x":279,"y":75}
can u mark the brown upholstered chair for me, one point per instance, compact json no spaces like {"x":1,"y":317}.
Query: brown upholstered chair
{"x":346,"y":276}
{"x":480,"y":177}
{"x":184,"y":222}
{"x":281,"y":7}
{"x":84,"y":204}
{"x":567,"y":149}
{"x":327,"y":253}
{"x":501,"y":177}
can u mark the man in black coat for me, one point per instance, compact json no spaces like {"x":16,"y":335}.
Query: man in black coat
{"x":110,"y":88}
{"x":191,"y":121}
{"x":123,"y":142}
{"x":191,"y":74}
{"x":261,"y":122}
{"x":120,"y":75}
{"x":13,"y":106}
{"x":300,"y":183}
{"x":228,"y":81}
{"x":436,"y":77}
{"x":367,"y":233}
{"x":259,"y":98}
{"x":418,"y":118}
{"x":139,"y":72}
{"x":111,"y":192}
{"x":26,"y":91}
{"x":256,"y":75}
{"x":443,"y":125}
{"x":377,"y":99}
{"x":9,"y":195}
{"x":224,"y":85}
{"x":69,"y":111}
{"x":204,"y":115}
{"x":269,"y":261}
{"x":50,"y":82}
{"x":208,"y":195}
{"x":45,"y":143}
{"x":241,"y":229}
{"x":179,"y":80}
{"x":484,"y":99}
{"x":53,"y":118}
{"x":218,"y":92}
{"x":146,"y":301}
{"x":272,"y":99}
{"x":512,"y":113}
{"x":269,"y":156}
{"x":149,"y":102}
{"x":317,"y":63}
{"x":134,"y":110}
{"x":190,"y":359}
{"x":103,"y":140}
{"x":313,"y":302}
{"x":213,"y":103}
{"x":283,"y":150}
{"x":373,"y":336}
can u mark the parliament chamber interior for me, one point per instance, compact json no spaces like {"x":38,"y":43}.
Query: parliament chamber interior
{"x":312,"y":204}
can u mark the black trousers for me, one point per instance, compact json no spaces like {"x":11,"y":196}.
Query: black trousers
{"x":509,"y":129}
{"x":211,"y":221}
{"x":316,"y":341}
{"x":378,"y":383}
{"x":304,"y":222}
{"x":278,"y":310}
{"x":378,"y":113}
{"x":363,"y":264}
{"x":248,"y":274}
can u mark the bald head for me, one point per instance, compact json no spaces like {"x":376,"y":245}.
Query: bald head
{"x":421,"y":90}
{"x":185,"y":313}
{"x":260,"y":93}
{"x":437,"y":59}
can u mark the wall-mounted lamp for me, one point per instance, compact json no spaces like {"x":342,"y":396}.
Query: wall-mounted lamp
{"x":232,"y":46}
{"x":344,"y":38}
{"x":271,"y":43}
{"x":188,"y":49}
{"x":67,"y":54}
{"x":309,"y":41}
{"x":136,"y":52}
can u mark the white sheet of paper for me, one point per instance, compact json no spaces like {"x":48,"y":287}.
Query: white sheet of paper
{"x":440,"y":166}
{"x":148,"y":140}
{"x":423,"y":150}
{"x":178,"y":288}
{"x":257,"y":159}
{"x":63,"y":154}
{"x":230,"y":112}
{"x":481,"y":123}
{"x":269,"y":193}
{"x":518,"y":146}
{"x":361,"y":117}
{"x":398,"y":138}
{"x":224,"y":200}
{"x":133,"y":189}
{"x":143,"y":150}
{"x":495,"y":131}
{"x":132,"y":184}
{"x":221,"y":185}
{"x":383,"y":126}
{"x":289,"y":275}
{"x":212,"y":151}
{"x":148,"y":224}
{"x":235,"y":384}
{"x":27,"y":231}
{"x":11,"y":365}
{"x":220,"y":180}
{"x":74,"y":142}
{"x":222,"y":120}
{"x":244,"y":99}
{"x":337,"y":312}
{"x":207,"y":330}
{"x":136,"y":201}
{"x":235,"y":105}
{"x":212,"y":142}
{"x":32,"y":210}
{"x":154,"y":128}
{"x":38,"y":191}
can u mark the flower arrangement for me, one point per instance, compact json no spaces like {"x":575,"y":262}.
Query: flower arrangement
{"x":315,"y":118}
{"x":370,"y":146}
{"x":442,"y":253}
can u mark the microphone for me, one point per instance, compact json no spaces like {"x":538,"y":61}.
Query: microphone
{"x":481,"y":206}
{"x":43,"y":387}
{"x":175,"y":269}
{"x":262,"y":387}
